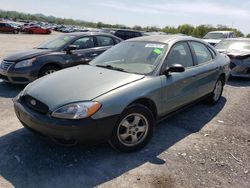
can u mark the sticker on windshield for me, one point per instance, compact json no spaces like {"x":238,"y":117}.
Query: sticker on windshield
{"x":157,"y":51}
{"x":154,"y":45}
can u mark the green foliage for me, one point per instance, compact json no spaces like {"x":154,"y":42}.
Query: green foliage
{"x":199,"y":31}
{"x":186,"y":29}
{"x":248,"y":36}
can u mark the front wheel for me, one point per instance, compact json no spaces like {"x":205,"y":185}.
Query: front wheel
{"x":134,"y":129}
{"x":215,"y":96}
{"x":48,"y":70}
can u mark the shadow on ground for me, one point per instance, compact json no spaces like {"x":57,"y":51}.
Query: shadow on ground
{"x":8,"y":90}
{"x":27,"y":161}
{"x":239,"y":82}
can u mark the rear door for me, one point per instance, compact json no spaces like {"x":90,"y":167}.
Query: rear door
{"x":179,"y":89}
{"x":206,"y":68}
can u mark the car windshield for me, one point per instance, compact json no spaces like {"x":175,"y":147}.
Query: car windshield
{"x":234,"y":45}
{"x":56,"y":42}
{"x":214,"y":36}
{"x":132,"y":57}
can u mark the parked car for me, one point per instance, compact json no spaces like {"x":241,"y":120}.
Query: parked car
{"x":128,"y":34}
{"x":238,"y":50}
{"x":64,"y":51}
{"x":8,"y":28}
{"x":36,"y":30}
{"x":124,"y":92}
{"x":215,"y":37}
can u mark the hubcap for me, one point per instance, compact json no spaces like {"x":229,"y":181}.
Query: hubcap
{"x":132,"y":130}
{"x":50,"y":71}
{"x":217,"y":90}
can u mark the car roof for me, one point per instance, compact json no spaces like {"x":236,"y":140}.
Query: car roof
{"x":239,"y":39}
{"x":163,"y":38}
{"x":223,"y":32}
{"x":78,"y":34}
{"x":129,"y":30}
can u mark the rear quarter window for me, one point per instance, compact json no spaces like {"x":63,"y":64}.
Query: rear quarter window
{"x":202,"y":53}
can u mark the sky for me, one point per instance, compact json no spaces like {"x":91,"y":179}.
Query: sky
{"x":159,"y":13}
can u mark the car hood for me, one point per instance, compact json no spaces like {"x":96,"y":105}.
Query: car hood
{"x":80,"y":83}
{"x":213,"y":41}
{"x":22,"y":55}
{"x":235,"y":53}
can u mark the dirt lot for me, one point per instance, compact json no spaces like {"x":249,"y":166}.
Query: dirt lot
{"x":203,"y":146}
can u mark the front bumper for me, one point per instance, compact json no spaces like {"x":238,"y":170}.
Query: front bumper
{"x":85,"y":130}
{"x":239,"y":70}
{"x":18,"y":76}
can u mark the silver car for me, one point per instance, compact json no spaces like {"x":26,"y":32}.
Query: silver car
{"x":122,"y":94}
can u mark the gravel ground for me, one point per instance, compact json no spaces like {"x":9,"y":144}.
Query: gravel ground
{"x":203,"y":146}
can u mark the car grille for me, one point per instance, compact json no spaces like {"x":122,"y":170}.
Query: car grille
{"x":5,"y":65}
{"x":35,"y":104}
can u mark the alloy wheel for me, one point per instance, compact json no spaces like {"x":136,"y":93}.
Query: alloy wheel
{"x":133,"y":129}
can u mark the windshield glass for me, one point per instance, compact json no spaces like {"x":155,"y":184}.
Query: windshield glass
{"x":230,"y":45}
{"x":132,"y":57}
{"x":215,"y":36}
{"x":56,"y":42}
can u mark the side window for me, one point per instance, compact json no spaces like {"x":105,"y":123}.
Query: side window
{"x":212,"y":52}
{"x":202,"y":53}
{"x":84,"y":43}
{"x":104,"y":41}
{"x":180,"y":54}
{"x":117,"y":41}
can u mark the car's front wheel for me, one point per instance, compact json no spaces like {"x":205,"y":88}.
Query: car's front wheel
{"x":48,"y":70}
{"x":134,"y":129}
{"x":215,"y":96}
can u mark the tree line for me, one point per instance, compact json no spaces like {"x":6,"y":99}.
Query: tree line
{"x":187,"y":29}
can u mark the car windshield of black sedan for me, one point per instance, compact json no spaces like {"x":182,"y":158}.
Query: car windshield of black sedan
{"x":236,"y":45}
{"x":56,"y":42}
{"x":132,"y":57}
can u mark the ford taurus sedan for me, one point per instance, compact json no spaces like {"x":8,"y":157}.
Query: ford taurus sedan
{"x":61,"y":52}
{"x":121,"y":95}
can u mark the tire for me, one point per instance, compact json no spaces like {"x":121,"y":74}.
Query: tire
{"x":215,"y":96}
{"x":15,"y":31}
{"x":49,"y":69}
{"x":134,"y":129}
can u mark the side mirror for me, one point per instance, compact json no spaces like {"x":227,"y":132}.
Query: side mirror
{"x":174,"y":68}
{"x":71,"y":48}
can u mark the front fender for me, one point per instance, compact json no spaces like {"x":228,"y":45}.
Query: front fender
{"x":115,"y":101}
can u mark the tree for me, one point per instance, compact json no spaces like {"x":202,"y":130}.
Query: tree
{"x":248,"y":36}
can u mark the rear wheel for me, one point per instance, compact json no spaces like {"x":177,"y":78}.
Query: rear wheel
{"x":48,"y":70}
{"x":134,"y":129}
{"x":215,"y":96}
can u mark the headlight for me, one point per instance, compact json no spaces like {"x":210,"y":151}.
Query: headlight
{"x":25,"y":63}
{"x":78,"y":110}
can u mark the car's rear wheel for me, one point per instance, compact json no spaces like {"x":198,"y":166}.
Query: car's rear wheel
{"x":215,"y":96}
{"x":134,"y":129}
{"x":48,"y":70}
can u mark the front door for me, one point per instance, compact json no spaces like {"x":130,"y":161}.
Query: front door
{"x":179,"y":89}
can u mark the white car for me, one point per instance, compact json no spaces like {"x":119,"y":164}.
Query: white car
{"x":215,"y":37}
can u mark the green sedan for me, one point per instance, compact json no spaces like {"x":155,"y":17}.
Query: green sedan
{"x":122,"y":94}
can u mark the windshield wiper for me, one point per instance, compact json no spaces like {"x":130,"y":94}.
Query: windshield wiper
{"x":111,"y":67}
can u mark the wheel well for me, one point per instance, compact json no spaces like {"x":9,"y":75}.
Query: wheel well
{"x":50,"y":64}
{"x":148,"y":103}
{"x":223,"y":76}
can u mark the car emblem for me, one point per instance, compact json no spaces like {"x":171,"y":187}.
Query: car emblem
{"x":33,"y":102}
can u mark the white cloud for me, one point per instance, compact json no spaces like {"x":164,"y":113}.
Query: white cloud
{"x":187,"y":8}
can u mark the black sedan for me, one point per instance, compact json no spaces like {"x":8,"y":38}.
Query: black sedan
{"x":64,"y":51}
{"x":238,"y":49}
